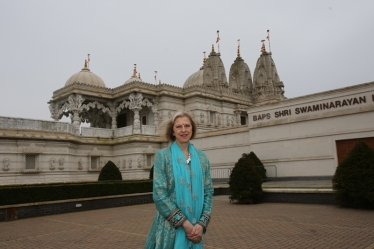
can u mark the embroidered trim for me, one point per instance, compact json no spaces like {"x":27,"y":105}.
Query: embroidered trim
{"x":204,"y":221}
{"x":176,"y":217}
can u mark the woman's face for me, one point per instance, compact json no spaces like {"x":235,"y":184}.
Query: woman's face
{"x":182,"y":130}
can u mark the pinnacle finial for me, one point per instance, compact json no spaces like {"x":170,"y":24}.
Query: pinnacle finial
{"x":204,"y":60}
{"x":238,"y":48}
{"x":212,"y":47}
{"x":134,"y":70}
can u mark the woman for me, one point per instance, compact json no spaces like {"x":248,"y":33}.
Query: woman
{"x":182,"y":189}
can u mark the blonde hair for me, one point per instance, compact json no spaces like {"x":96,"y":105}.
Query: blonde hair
{"x":165,"y":129}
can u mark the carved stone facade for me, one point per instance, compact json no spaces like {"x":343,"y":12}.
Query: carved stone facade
{"x":233,"y":117}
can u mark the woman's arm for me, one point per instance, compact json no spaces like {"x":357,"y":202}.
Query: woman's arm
{"x":162,"y":189}
{"x":208,"y":192}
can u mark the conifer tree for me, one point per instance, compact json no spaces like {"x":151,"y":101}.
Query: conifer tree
{"x":245,"y":183}
{"x":110,"y":172}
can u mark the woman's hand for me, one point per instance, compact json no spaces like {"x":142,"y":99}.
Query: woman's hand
{"x":196,"y":234}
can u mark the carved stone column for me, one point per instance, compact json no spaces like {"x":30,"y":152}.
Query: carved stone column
{"x":113,"y":114}
{"x":137,"y":121}
{"x":155,"y":112}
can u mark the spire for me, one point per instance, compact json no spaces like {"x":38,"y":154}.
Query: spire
{"x":88,"y":60}
{"x":139,"y":76}
{"x":134,"y":70}
{"x":238,"y":48}
{"x":212,"y":47}
{"x":204,"y":60}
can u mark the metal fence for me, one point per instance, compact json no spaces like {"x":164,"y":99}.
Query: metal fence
{"x":223,"y":173}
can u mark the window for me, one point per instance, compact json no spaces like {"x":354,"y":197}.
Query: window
{"x":149,"y":161}
{"x":30,"y":162}
{"x":144,"y":120}
{"x":243,"y":120}
{"x":95,"y":162}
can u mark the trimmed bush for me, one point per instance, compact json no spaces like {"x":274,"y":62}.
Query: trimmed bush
{"x":35,"y":193}
{"x":353,"y":182}
{"x":110,"y":172}
{"x":259,"y":165}
{"x":245,"y":182}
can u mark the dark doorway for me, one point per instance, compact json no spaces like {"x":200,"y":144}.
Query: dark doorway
{"x":121,"y":120}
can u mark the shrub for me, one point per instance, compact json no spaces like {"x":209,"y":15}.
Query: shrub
{"x":353,"y":182}
{"x":245,"y":182}
{"x":110,"y":172}
{"x":259,"y":165}
{"x":151,"y":173}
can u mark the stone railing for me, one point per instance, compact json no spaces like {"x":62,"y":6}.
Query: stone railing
{"x":34,"y":124}
{"x":124,"y":131}
{"x":96,"y":132}
{"x":148,"y":130}
{"x":41,"y":125}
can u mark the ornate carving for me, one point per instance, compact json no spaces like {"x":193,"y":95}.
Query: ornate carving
{"x":118,"y":164}
{"x":52,"y":163}
{"x":61,"y":162}
{"x":139,"y":162}
{"x":6,"y":162}
{"x":124,"y":163}
{"x":228,"y":120}
{"x":80,"y":164}
{"x":201,"y":117}
{"x":219,"y":120}
{"x":32,"y":148}
{"x":130,"y":163}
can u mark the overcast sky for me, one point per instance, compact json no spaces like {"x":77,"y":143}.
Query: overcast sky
{"x":317,"y":45}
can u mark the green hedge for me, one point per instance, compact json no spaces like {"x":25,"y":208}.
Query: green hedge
{"x":19,"y":194}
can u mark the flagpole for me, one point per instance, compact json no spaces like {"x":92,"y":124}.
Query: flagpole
{"x":269,"y":40}
{"x":218,"y":39}
{"x":88,"y":61}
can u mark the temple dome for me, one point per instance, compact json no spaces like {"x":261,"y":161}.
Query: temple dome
{"x":194,"y":79}
{"x":85,"y":76}
{"x":133,"y":79}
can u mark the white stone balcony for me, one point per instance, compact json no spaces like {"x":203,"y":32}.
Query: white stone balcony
{"x":96,"y":132}
{"x":148,"y":130}
{"x":124,"y":131}
{"x":34,"y":124}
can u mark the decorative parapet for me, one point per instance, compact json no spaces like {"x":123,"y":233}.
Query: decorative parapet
{"x":124,"y":131}
{"x":32,"y":149}
{"x":148,"y":130}
{"x":34,"y":124}
{"x":96,"y":132}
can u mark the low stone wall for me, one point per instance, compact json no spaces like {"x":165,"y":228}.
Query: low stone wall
{"x":22,"y":211}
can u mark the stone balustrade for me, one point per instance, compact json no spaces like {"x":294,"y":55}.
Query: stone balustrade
{"x":124,"y":131}
{"x":41,"y":125}
{"x":148,"y":130}
{"x":34,"y":124}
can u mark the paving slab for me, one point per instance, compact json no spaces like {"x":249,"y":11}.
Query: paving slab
{"x":266,"y":225}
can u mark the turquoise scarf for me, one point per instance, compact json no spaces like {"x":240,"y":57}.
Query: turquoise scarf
{"x":189,"y":189}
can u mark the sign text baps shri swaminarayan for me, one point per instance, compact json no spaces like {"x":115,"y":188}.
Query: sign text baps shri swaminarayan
{"x":313,"y":108}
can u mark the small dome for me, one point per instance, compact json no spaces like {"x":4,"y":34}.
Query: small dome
{"x":87,"y":77}
{"x":132,"y":79}
{"x":194,"y":79}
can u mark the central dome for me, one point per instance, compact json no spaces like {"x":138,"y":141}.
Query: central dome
{"x":194,"y":79}
{"x":85,"y":76}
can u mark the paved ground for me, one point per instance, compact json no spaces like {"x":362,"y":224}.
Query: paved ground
{"x":268,"y":225}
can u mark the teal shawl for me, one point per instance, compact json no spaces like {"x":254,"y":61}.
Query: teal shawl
{"x":189,"y":189}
